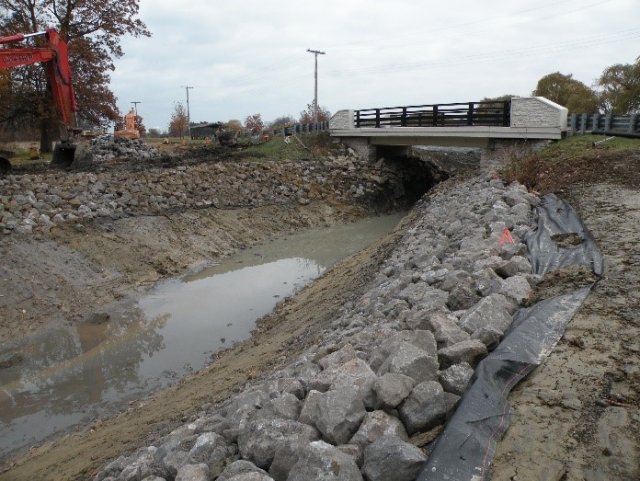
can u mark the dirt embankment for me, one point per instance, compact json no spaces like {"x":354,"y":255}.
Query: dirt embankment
{"x":577,"y":416}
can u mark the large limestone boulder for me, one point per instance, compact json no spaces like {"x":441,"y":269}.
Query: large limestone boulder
{"x":392,"y":459}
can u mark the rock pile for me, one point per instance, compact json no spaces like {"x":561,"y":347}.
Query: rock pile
{"x":107,"y":148}
{"x":36,"y":202}
{"x":389,"y":370}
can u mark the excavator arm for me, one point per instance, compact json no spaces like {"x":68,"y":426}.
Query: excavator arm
{"x":55,"y":58}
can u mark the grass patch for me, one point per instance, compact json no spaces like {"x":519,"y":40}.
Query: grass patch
{"x":21,"y":155}
{"x":576,"y":160}
{"x":302,"y":147}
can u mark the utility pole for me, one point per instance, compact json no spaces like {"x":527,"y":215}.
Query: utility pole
{"x":135,"y":106}
{"x":187,"y":88}
{"x":315,"y":90}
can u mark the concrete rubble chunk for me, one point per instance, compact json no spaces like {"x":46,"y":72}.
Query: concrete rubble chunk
{"x":470,"y":351}
{"x":355,"y":373}
{"x":455,"y":378}
{"x":375,"y":425}
{"x":487,"y":282}
{"x":259,"y":441}
{"x":323,"y":462}
{"x":337,"y":358}
{"x":411,"y":361}
{"x":286,"y":406}
{"x":212,"y":450}
{"x":251,"y":477}
{"x":489,"y":336}
{"x":285,"y":385}
{"x":193,"y":472}
{"x":239,"y":467}
{"x":336,"y":414}
{"x":353,"y":450}
{"x":446,"y":330}
{"x":463,"y":296}
{"x":392,"y":459}
{"x":517,"y":288}
{"x":422,"y":339}
{"x":425,"y":407}
{"x":391,"y":389}
{"x":491,"y":312}
{"x":514,"y":266}
{"x":422,"y":295}
{"x":146,"y":462}
{"x":310,"y":408}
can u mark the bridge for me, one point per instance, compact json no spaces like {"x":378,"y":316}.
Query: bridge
{"x":471,"y":124}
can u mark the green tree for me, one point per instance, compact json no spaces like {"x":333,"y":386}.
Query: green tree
{"x":93,"y":29}
{"x":567,"y":91}
{"x":620,"y":88}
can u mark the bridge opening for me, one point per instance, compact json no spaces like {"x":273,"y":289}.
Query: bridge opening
{"x":417,"y":174}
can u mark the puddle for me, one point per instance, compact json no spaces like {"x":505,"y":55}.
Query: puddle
{"x":73,"y":376}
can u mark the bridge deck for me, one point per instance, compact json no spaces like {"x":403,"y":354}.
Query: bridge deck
{"x":470,"y":123}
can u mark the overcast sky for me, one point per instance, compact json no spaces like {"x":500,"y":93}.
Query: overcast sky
{"x":251,"y":56}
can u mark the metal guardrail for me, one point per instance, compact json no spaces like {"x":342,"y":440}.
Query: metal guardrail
{"x":493,"y":114}
{"x":302,"y":129}
{"x":604,"y":123}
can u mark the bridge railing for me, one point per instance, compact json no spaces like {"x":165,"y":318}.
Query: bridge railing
{"x":437,"y":115}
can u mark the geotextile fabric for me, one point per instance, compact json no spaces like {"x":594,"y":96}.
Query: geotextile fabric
{"x":465,"y":449}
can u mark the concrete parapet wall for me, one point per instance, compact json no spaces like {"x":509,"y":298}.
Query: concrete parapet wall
{"x":538,"y":112}
{"x":341,"y":120}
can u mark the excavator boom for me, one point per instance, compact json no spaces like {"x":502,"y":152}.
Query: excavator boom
{"x":55,"y":57}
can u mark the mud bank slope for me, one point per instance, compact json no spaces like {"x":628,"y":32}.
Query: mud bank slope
{"x":75,"y":241}
{"x":579,"y":411}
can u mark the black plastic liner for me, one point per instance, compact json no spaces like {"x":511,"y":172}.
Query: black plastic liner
{"x":465,"y":449}
{"x":558,"y":223}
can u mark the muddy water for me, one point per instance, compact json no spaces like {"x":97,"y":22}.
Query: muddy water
{"x":72,"y":376}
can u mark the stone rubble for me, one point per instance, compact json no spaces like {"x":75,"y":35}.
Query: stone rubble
{"x":393,"y":365}
{"x":106,"y":148}
{"x":36,"y":202}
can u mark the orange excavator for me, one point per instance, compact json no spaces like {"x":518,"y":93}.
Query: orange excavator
{"x":55,"y":57}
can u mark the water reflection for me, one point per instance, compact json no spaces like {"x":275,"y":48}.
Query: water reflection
{"x":70,"y":376}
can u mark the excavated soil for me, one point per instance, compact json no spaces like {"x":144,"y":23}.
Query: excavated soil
{"x":577,"y":416}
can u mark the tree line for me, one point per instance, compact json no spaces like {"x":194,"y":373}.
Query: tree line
{"x":93,"y":30}
{"x":253,"y":124}
{"x":616,"y":91}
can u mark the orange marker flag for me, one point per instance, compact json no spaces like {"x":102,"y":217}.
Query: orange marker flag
{"x":505,"y":238}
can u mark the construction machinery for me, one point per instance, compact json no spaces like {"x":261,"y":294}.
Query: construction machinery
{"x":55,"y":57}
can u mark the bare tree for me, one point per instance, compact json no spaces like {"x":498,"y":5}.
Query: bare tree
{"x":179,"y":121}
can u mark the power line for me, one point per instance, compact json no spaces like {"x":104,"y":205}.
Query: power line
{"x":497,"y":55}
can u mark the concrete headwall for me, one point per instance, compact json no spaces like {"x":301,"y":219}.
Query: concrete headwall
{"x":538,"y":112}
